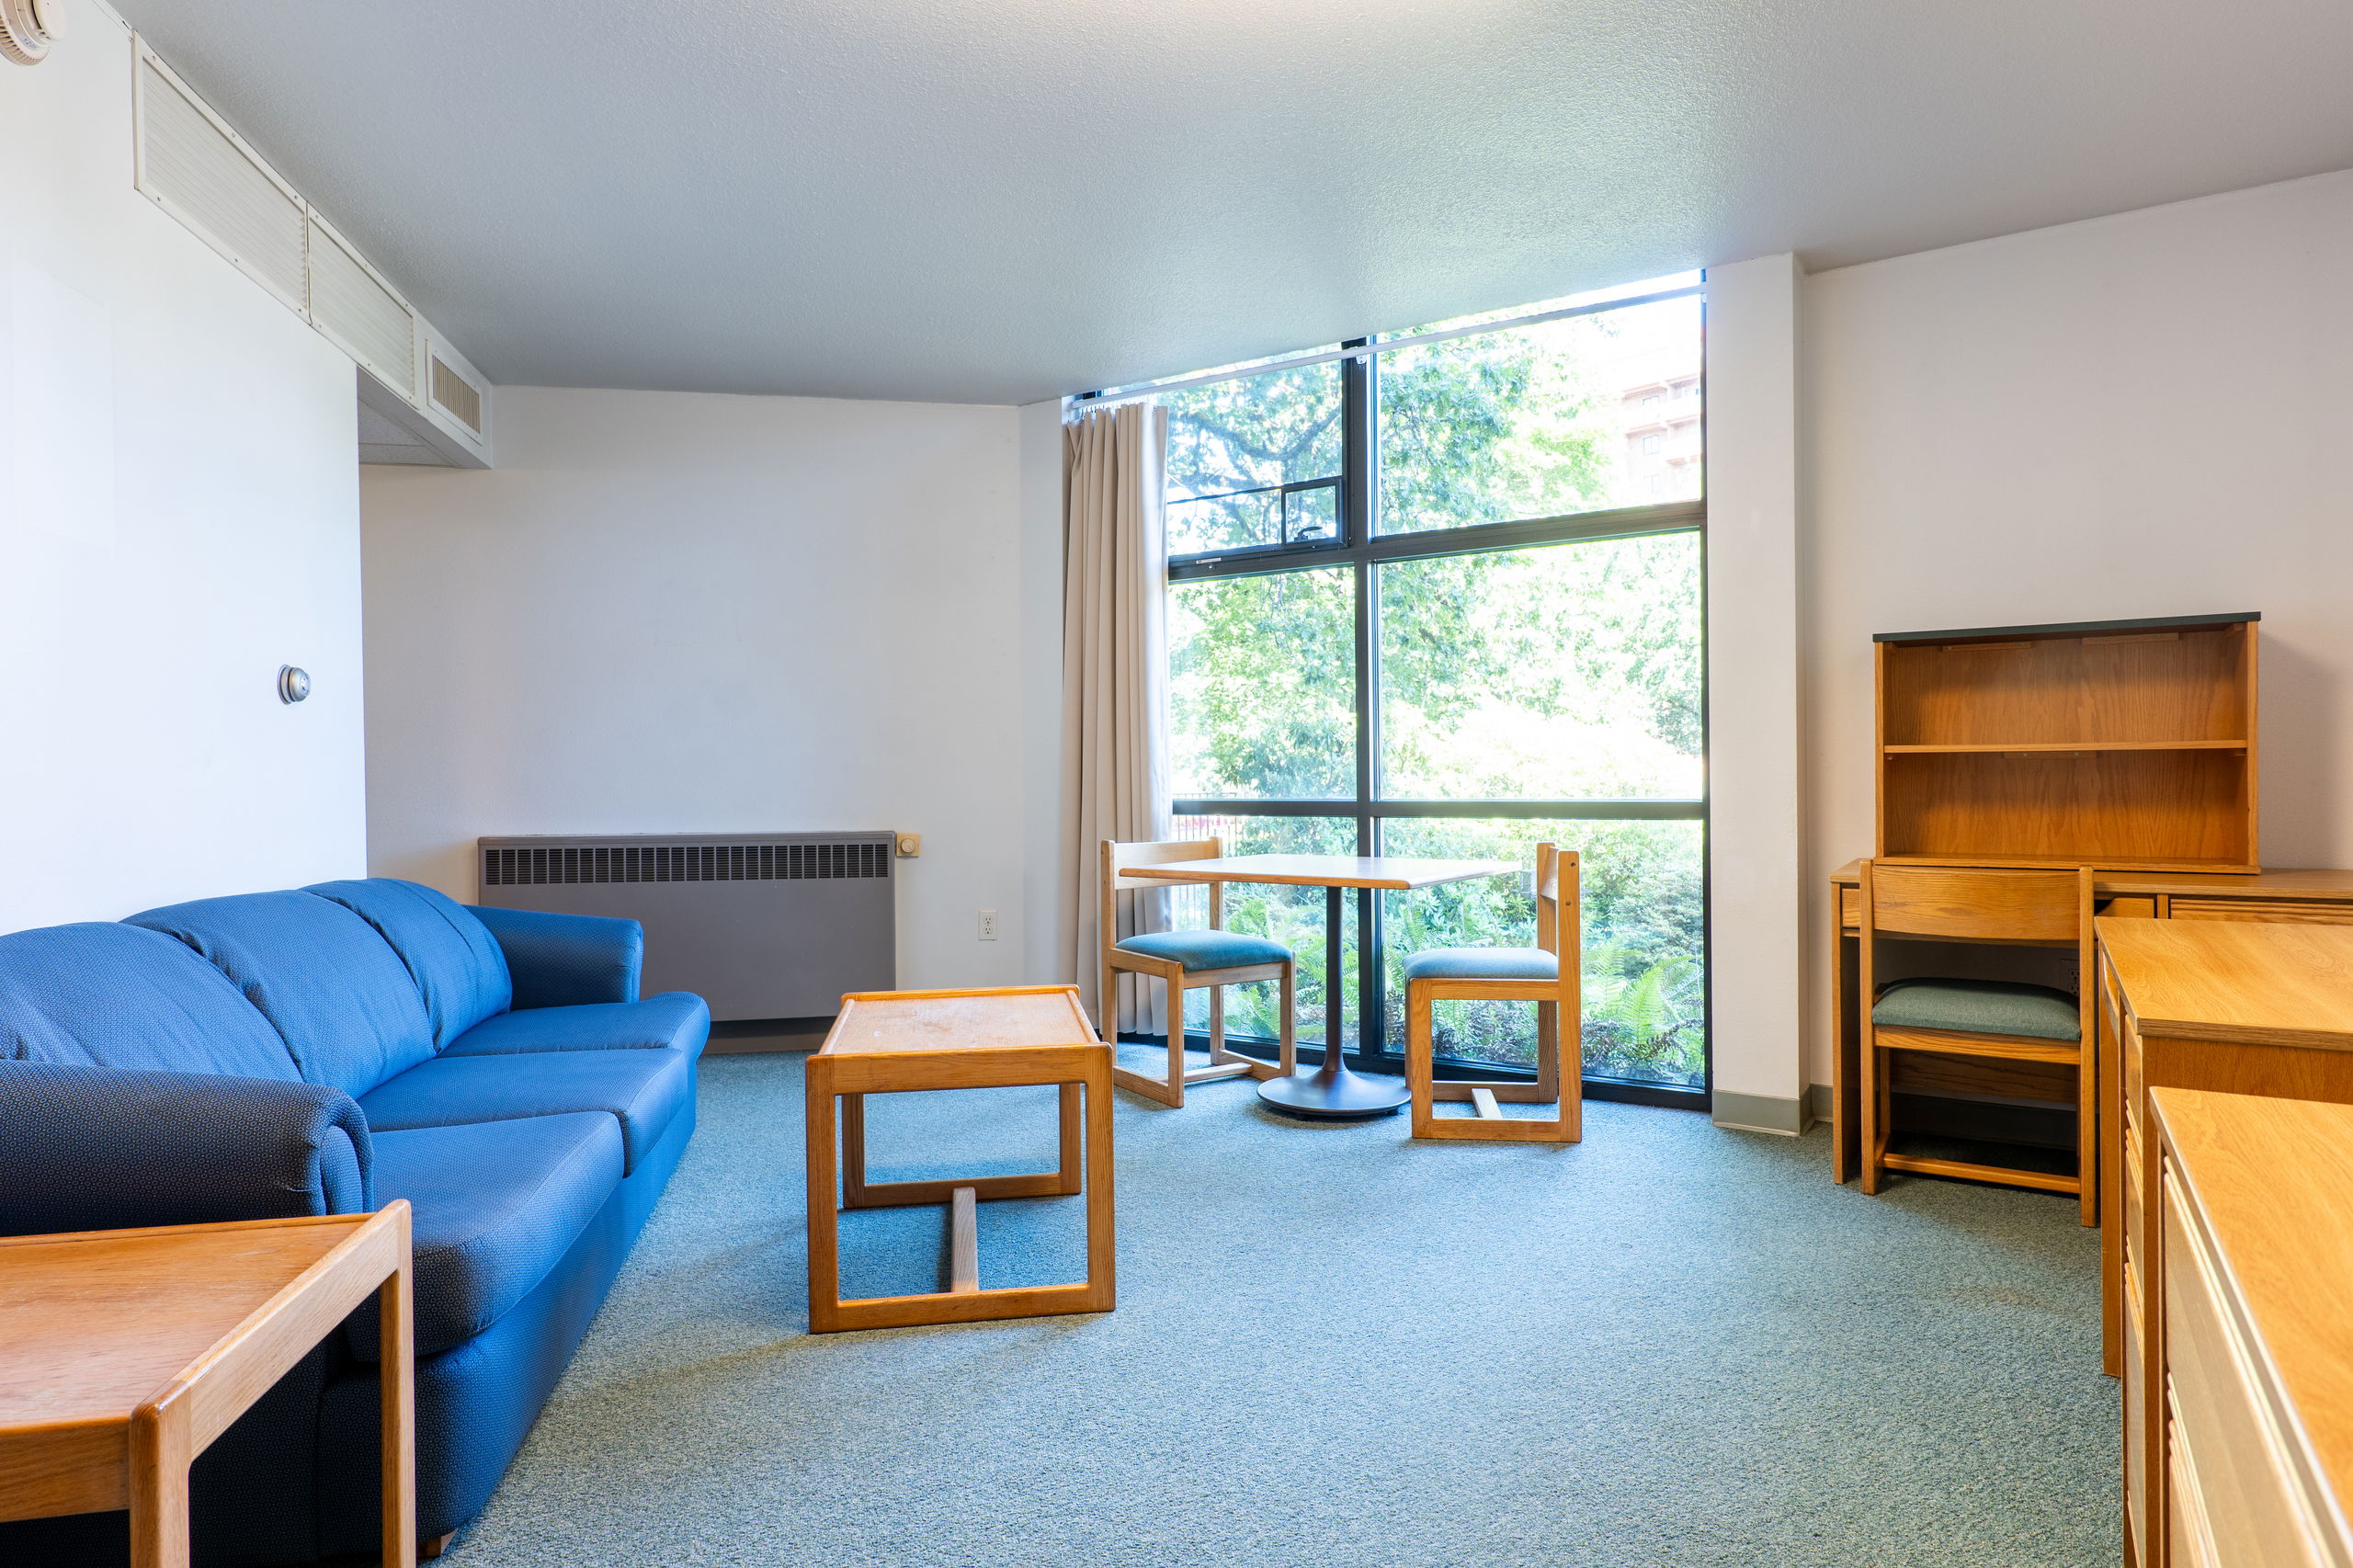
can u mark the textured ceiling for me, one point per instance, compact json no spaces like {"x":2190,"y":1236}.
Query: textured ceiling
{"x":1000,"y":200}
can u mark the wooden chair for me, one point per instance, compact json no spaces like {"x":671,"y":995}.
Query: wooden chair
{"x":1978,"y":1018}
{"x":1187,"y":960}
{"x":1547,"y":974}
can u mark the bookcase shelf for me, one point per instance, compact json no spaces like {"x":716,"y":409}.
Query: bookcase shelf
{"x":2127,"y":745}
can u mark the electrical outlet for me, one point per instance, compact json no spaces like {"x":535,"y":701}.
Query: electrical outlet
{"x":988,"y":925}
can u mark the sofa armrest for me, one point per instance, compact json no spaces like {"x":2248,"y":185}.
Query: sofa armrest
{"x":108,"y":1148}
{"x":563,"y":960}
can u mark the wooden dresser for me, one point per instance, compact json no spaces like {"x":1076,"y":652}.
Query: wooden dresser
{"x":2239,"y":1395}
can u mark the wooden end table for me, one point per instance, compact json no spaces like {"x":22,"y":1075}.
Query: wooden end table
{"x":1331,"y":1092}
{"x":898,"y":1041}
{"x":124,"y":1354}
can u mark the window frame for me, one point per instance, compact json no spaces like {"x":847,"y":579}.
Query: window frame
{"x":1363,"y":549}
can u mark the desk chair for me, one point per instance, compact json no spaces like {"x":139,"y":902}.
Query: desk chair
{"x":1978,"y":1018}
{"x":1187,"y":960}
{"x":1547,"y":974}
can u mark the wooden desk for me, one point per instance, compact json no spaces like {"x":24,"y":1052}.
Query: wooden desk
{"x":899,"y":1042}
{"x":125,"y":1352}
{"x":1331,"y":1091}
{"x":2239,"y":1409}
{"x":2315,"y":897}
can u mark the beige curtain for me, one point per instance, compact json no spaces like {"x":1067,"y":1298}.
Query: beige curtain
{"x":1115,"y":680}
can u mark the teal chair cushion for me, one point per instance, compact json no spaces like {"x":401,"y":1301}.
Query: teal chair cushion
{"x":1483,"y":963}
{"x":1207,"y":949}
{"x":1978,"y":1007}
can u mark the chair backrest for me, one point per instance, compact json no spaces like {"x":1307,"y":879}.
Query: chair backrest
{"x":1559,"y":898}
{"x":1118,"y":858}
{"x":1978,"y":903}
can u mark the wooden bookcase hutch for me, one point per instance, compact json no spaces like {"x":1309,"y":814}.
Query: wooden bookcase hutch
{"x":2125,"y":745}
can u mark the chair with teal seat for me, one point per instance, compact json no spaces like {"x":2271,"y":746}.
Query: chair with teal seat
{"x":1547,"y":974}
{"x":1996,"y":1019}
{"x":1187,"y":960}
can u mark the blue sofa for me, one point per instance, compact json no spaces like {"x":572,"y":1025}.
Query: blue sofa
{"x":323,"y":1051}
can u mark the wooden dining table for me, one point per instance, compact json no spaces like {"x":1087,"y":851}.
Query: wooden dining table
{"x":1329,"y":1092}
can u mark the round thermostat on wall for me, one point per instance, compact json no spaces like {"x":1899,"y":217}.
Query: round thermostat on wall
{"x":26,"y":28}
{"x":293,"y":685}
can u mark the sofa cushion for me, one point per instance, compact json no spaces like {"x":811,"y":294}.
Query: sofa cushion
{"x":1481,"y":963}
{"x":456,"y":963}
{"x":111,"y":996}
{"x":643,"y":1089}
{"x":1205,"y":949}
{"x":340,"y":997}
{"x":1980,"y":1007}
{"x":496,"y":1205}
{"x":678,"y":1019}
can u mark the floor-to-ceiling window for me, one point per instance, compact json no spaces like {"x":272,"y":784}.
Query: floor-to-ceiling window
{"x":1438,"y":593}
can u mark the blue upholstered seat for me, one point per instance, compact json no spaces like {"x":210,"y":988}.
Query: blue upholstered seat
{"x":1483,"y":963}
{"x":497,"y":1205}
{"x":1205,"y":949}
{"x":644,"y":1089}
{"x":673,"y":1019}
{"x":340,"y":997}
{"x":455,"y":961}
{"x":1980,"y":1007}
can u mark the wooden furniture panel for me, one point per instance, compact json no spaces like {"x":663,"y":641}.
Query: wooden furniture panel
{"x":2113,"y":742}
{"x":2150,"y":685}
{"x":2239,"y":1391}
{"x":900,"y":1042}
{"x":2190,"y":810}
{"x":2307,"y":911}
{"x":126,"y":1353}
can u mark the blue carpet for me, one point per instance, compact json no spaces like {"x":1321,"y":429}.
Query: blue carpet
{"x":1669,"y":1345}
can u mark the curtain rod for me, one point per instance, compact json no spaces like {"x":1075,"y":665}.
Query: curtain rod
{"x":1300,"y":361}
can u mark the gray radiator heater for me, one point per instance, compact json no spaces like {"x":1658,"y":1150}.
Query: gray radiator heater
{"x":760,"y":924}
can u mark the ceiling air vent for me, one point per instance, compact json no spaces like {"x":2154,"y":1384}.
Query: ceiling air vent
{"x":505,"y":868}
{"x":456,"y":396}
{"x":359,"y":313}
{"x":191,"y":164}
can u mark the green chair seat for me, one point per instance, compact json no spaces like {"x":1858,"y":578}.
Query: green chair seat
{"x":1978,"y":1007}
{"x":1483,"y":963}
{"x":1205,"y":949}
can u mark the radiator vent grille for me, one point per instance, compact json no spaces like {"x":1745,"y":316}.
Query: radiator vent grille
{"x":684,"y":863}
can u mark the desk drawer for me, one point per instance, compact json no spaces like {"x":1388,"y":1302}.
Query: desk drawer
{"x":2233,"y":1463}
{"x":2308,"y":912}
{"x":2128,"y":906}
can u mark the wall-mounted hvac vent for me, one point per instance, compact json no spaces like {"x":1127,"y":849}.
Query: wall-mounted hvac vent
{"x":759,"y":925}
{"x":190,"y":164}
{"x":359,"y":313}
{"x":535,"y":866}
{"x":456,"y":396}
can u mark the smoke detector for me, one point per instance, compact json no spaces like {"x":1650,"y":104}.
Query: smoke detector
{"x":26,"y":29}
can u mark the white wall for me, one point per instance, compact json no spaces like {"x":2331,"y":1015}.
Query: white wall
{"x":688,"y":612}
{"x":1753,"y":721}
{"x":2144,"y":414}
{"x":178,"y":518}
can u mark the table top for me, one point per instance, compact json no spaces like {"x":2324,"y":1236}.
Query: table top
{"x":101,"y":1322}
{"x":892,"y":1022}
{"x":2286,"y":1244}
{"x":1395,"y":871}
{"x":2235,"y":981}
{"x":2300,"y":883}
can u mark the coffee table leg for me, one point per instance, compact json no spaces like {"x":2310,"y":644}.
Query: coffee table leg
{"x":1071,"y":1140}
{"x":159,"y":1462}
{"x":825,"y":1276}
{"x":396,"y":1369}
{"x":1332,"y":1092}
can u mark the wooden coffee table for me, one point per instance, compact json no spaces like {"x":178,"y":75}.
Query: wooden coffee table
{"x":899,"y":1042}
{"x":124,"y":1354}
